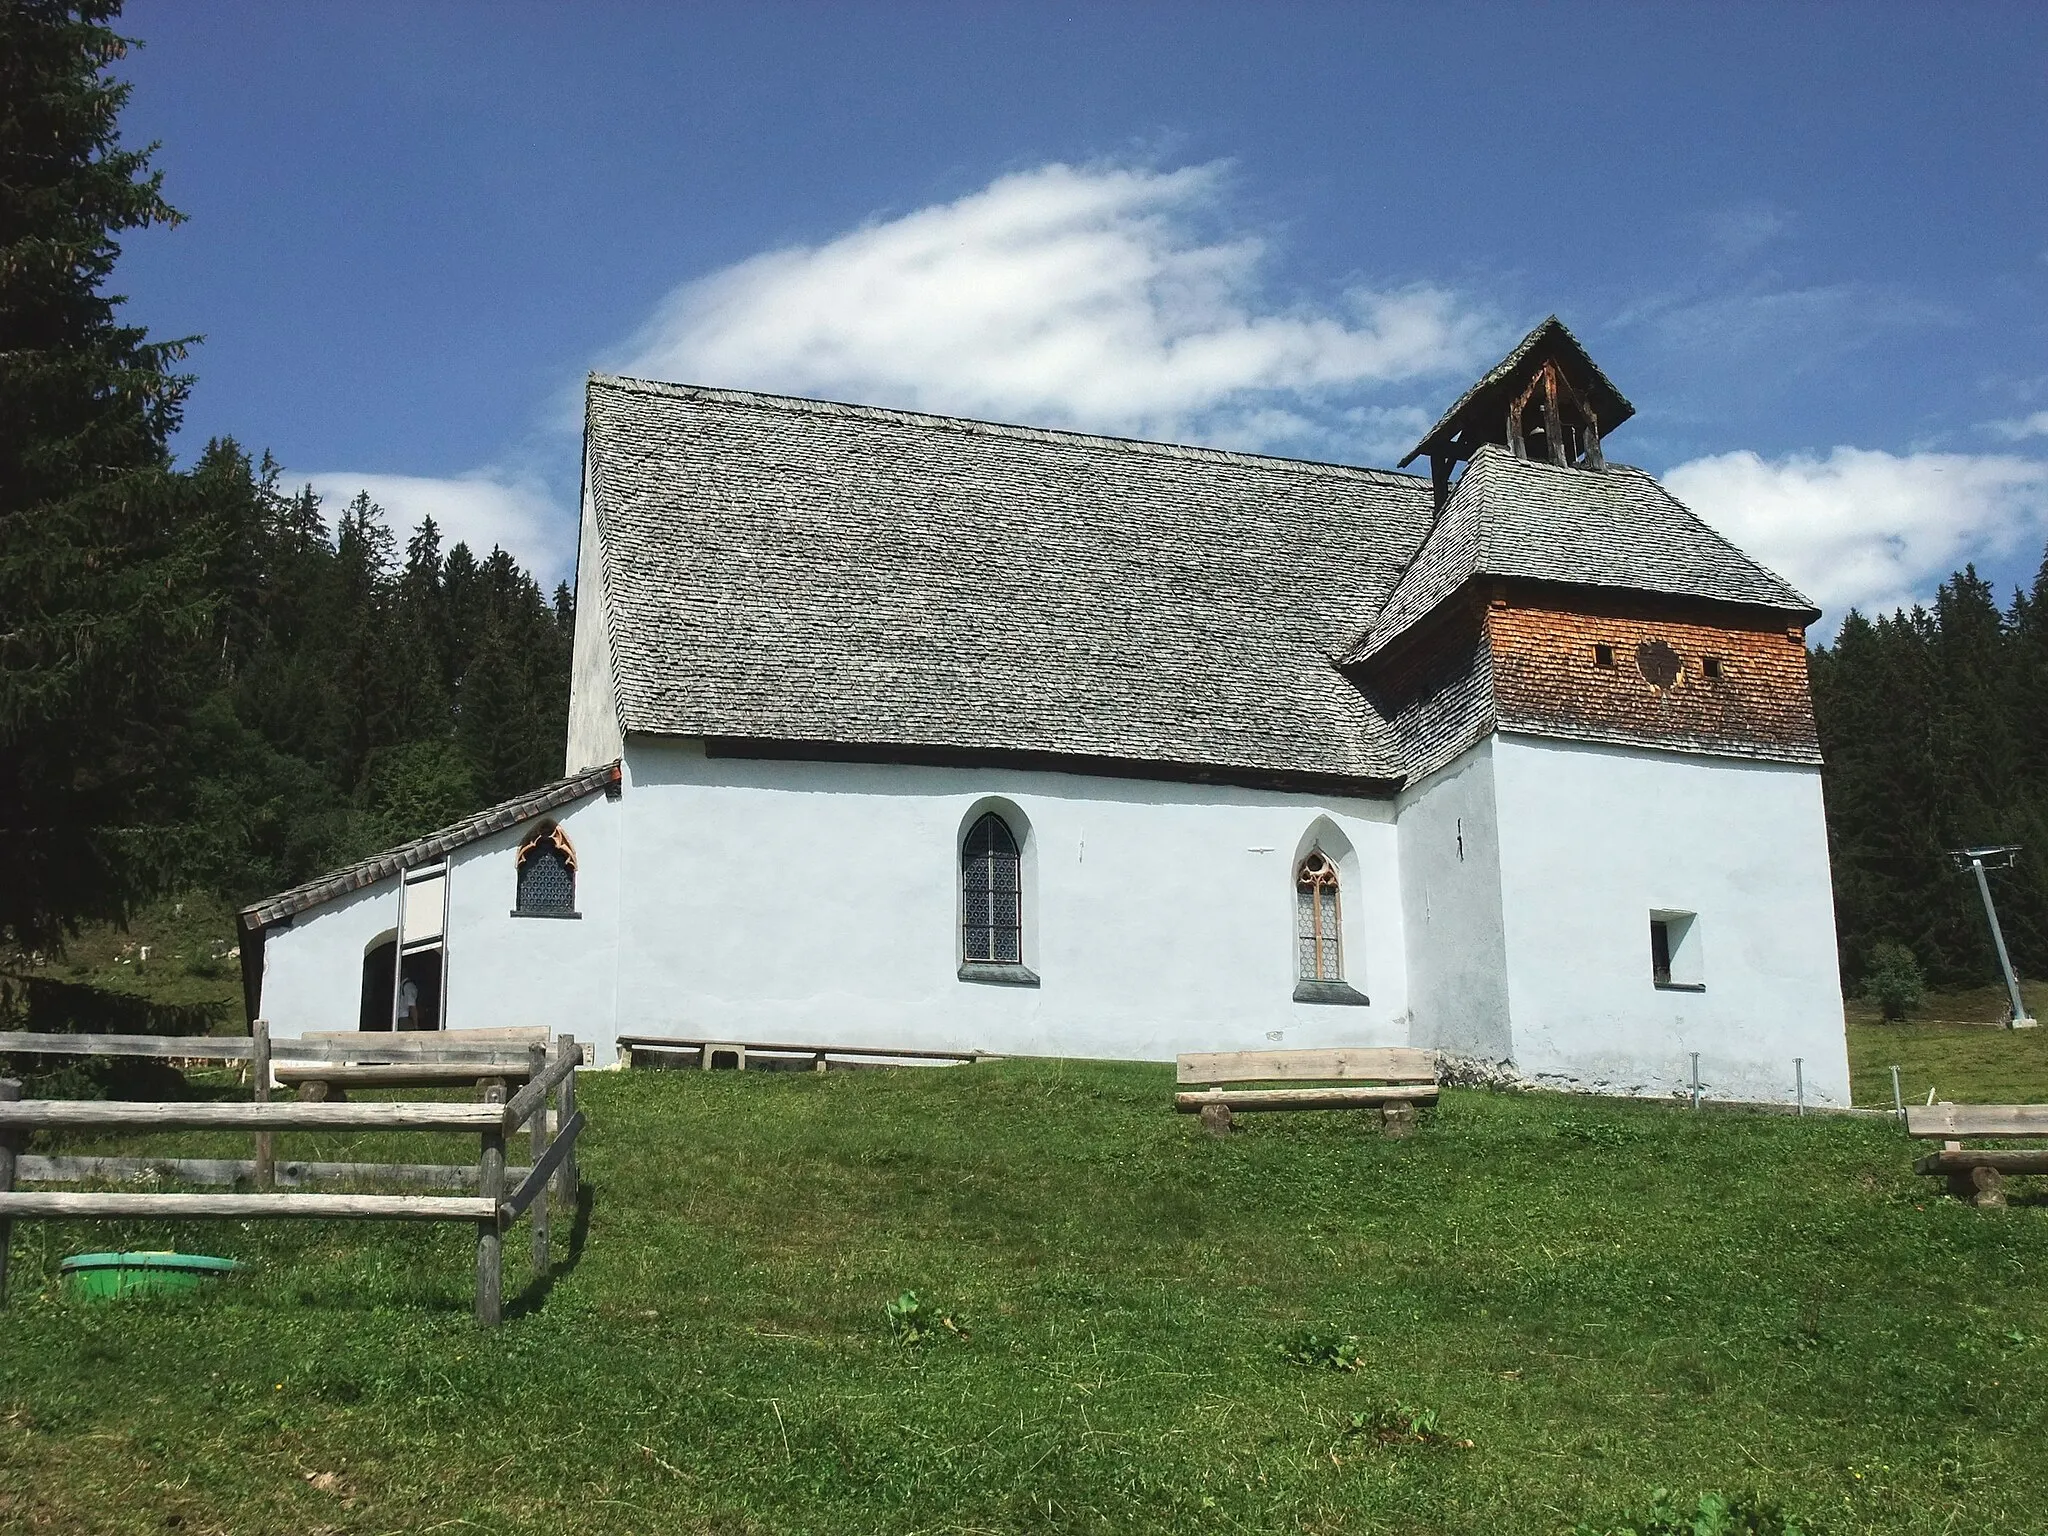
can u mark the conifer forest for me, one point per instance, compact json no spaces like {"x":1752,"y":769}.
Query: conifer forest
{"x":1934,"y":724}
{"x":208,"y":681}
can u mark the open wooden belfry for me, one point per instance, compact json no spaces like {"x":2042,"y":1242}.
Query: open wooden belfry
{"x":1546,"y":400}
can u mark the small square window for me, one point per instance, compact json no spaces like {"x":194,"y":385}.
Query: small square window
{"x":1603,"y":656}
{"x":1710,"y":668}
{"x":1675,"y":952}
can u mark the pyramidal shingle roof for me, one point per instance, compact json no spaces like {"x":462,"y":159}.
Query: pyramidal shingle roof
{"x":1552,"y":338}
{"x":1537,"y":521}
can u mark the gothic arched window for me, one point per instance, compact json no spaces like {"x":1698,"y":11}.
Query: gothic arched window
{"x":547,"y":874}
{"x":1318,"y":924}
{"x":991,"y":894}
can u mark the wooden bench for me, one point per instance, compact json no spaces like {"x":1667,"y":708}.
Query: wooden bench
{"x":724,"y":1051}
{"x":1400,"y":1076}
{"x":322,"y":1083}
{"x":424,"y":1059}
{"x":1978,"y":1175}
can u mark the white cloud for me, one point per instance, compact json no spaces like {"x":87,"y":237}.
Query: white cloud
{"x":1088,"y":297}
{"x":1865,"y":529}
{"x":479,"y":509}
{"x":2035,"y":425}
{"x":1077,"y":296}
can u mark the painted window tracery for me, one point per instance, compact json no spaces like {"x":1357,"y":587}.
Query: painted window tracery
{"x":1318,"y":925}
{"x":547,"y":874}
{"x":991,"y":894}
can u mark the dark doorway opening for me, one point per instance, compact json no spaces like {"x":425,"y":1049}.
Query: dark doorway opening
{"x":419,"y":990}
{"x":416,"y":1003}
{"x":377,"y":983}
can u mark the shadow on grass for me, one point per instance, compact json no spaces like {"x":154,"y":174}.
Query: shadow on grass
{"x":533,"y":1296}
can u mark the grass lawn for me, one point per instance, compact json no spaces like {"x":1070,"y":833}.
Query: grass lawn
{"x":1955,"y":1046}
{"x":1604,"y":1298}
{"x":178,"y":952}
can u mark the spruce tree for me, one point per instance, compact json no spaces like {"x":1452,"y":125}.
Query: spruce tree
{"x":104,"y":594}
{"x":1931,"y":723}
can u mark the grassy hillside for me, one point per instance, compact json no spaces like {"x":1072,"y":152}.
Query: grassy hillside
{"x":175,"y":959}
{"x":1603,"y":1298}
{"x":1954,"y":1046}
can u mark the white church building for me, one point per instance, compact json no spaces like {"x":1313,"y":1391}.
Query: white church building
{"x":897,"y":730}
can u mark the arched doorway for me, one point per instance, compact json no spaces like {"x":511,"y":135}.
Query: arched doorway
{"x":408,"y":1000}
{"x":379,"y":978}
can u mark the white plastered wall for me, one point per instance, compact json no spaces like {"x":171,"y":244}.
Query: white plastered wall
{"x":594,"y":736}
{"x":1504,"y":914}
{"x":817,"y":903}
{"x":1451,"y":910}
{"x":498,"y":970}
{"x":1592,"y":840}
{"x":505,"y":970}
{"x":313,"y":970}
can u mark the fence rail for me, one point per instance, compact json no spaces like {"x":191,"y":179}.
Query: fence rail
{"x":109,"y":1114}
{"x":434,"y":1047}
{"x":252,"y":1207}
{"x":31,"y":1169}
{"x":551,"y":1172}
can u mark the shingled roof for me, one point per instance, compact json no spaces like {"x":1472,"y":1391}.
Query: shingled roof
{"x":1489,"y":397}
{"x":1536,"y":521}
{"x":780,"y":571}
{"x":789,"y":570}
{"x":425,"y":850}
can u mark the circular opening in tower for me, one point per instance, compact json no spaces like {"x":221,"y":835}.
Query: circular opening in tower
{"x":1661,"y":665}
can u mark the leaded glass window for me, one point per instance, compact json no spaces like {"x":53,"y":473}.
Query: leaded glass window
{"x":992,"y":893}
{"x":547,"y":874}
{"x":1318,"y":929}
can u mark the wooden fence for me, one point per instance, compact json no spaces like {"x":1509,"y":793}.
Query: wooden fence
{"x":502,"y":1195}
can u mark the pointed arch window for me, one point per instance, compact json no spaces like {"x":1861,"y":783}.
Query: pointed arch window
{"x":991,"y":894}
{"x":547,"y":874}
{"x":1318,"y":919}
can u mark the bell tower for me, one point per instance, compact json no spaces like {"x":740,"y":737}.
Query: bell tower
{"x":1546,"y":400}
{"x":1557,"y":594}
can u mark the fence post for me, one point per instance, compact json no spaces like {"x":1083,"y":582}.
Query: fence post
{"x":259,"y":1073}
{"x":490,"y":1242}
{"x":1695,"y":1079}
{"x":566,"y":1185}
{"x":1898,"y":1098}
{"x":537,"y":1133}
{"x":10,"y":1091}
{"x":1799,"y":1080}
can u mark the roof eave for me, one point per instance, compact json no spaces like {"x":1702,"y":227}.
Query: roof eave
{"x":434,"y":845}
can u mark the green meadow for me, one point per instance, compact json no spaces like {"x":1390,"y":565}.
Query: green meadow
{"x":1531,"y":1316}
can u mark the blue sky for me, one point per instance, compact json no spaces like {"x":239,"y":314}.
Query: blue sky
{"x":1810,"y":242}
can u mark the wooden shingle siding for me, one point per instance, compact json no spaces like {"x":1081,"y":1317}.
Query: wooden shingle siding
{"x":1545,"y":680}
{"x":1436,"y":687}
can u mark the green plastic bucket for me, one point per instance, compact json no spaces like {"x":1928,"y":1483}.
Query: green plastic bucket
{"x":104,"y":1276}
